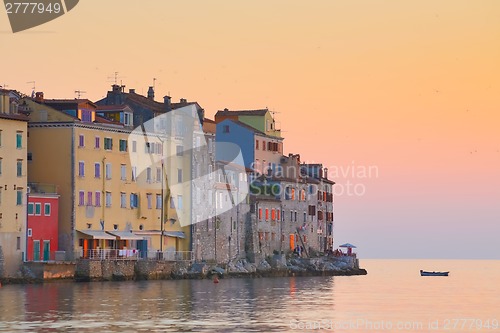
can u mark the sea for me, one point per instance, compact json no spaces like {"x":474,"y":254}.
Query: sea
{"x":392,"y":297}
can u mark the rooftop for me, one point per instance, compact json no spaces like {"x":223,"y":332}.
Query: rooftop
{"x":227,"y":112}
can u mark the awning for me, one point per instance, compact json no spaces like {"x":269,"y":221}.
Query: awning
{"x":177,"y":234}
{"x":125,"y":235}
{"x":97,"y":234}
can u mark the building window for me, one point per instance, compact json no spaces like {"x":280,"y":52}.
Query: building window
{"x":305,"y":217}
{"x":256,"y":144}
{"x":263,"y":145}
{"x":134,"y":173}
{"x":123,"y":145}
{"x":108,"y":199}
{"x":127,"y":117}
{"x":287,"y":193}
{"x":38,"y":209}
{"x":179,"y":175}
{"x":148,"y":175}
{"x":179,"y":202}
{"x":81,"y":169}
{"x":123,"y":200}
{"x":179,"y":150}
{"x":225,"y":129}
{"x":19,"y":168}
{"x":123,"y":172}
{"x":172,"y":202}
{"x":46,"y":209}
{"x":30,"y":232}
{"x":291,"y":216}
{"x":19,"y":140}
{"x":134,"y":146}
{"x":81,"y":198}
{"x":158,"y":175}
{"x":86,"y":116}
{"x":278,"y":217}
{"x":98,"y":199}
{"x":18,"y":243}
{"x":158,"y":201}
{"x":108,"y":170}
{"x":31,"y":208}
{"x":97,"y":170}
{"x":89,"y":198}
{"x":81,"y":141}
{"x":134,"y":200}
{"x":0,"y":165}
{"x":273,"y":214}
{"x":149,"y":198}
{"x":97,"y":142}
{"x":108,"y":143}
{"x":267,"y":214}
{"x":295,"y":214}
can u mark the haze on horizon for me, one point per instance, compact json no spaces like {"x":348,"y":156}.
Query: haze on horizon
{"x":409,"y":89}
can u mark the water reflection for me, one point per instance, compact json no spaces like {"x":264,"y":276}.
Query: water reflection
{"x":168,"y":306}
{"x":392,"y":291}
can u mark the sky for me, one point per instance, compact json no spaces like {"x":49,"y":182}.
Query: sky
{"x":399,"y":99}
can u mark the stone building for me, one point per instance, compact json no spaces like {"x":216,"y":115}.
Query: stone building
{"x":13,"y":183}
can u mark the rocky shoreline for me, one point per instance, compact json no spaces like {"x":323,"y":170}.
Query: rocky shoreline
{"x":276,"y":266}
{"x":272,"y":266}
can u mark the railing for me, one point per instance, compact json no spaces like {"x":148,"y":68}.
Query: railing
{"x":114,"y":254}
{"x":170,"y":255}
{"x":110,"y":254}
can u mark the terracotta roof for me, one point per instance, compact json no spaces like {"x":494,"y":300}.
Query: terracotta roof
{"x":153,"y":105}
{"x":180,"y":105}
{"x":75,"y":100}
{"x":226,"y":112}
{"x":206,"y":120}
{"x":20,"y":117}
{"x":113,"y":107}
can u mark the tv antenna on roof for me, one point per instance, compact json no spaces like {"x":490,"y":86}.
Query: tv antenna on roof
{"x":115,"y":78}
{"x":3,"y":86}
{"x":33,"y":89}
{"x":154,"y":83}
{"x":79,"y":93}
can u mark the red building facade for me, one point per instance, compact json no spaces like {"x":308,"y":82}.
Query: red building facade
{"x":42,"y":229}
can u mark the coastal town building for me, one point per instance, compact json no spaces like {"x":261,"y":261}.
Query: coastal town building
{"x":106,"y":202}
{"x":42,"y":236}
{"x":133,"y":178}
{"x":13,"y":183}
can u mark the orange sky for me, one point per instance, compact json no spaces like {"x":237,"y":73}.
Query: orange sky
{"x":411,"y":87}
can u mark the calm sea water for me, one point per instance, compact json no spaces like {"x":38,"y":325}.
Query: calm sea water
{"x":391,"y":298}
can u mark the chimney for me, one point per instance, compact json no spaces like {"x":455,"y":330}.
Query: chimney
{"x":183,"y":101}
{"x":39,"y":97}
{"x":116,"y":88}
{"x":325,"y":171}
{"x":167,"y":103}
{"x":131,"y":91}
{"x":151,"y":93}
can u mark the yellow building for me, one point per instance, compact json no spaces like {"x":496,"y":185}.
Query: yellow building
{"x":107,"y":207}
{"x":13,"y":184}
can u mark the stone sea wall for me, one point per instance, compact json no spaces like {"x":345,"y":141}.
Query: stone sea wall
{"x":272,"y":266}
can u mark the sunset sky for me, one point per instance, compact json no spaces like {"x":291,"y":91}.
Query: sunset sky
{"x":410,"y":89}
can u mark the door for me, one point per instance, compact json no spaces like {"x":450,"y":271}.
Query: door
{"x":142,"y":246}
{"x":36,"y":250}
{"x":46,"y":250}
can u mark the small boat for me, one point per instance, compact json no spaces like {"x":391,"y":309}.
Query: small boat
{"x":425,"y":273}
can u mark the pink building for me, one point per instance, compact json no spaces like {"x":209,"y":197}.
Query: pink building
{"x":43,"y":220}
